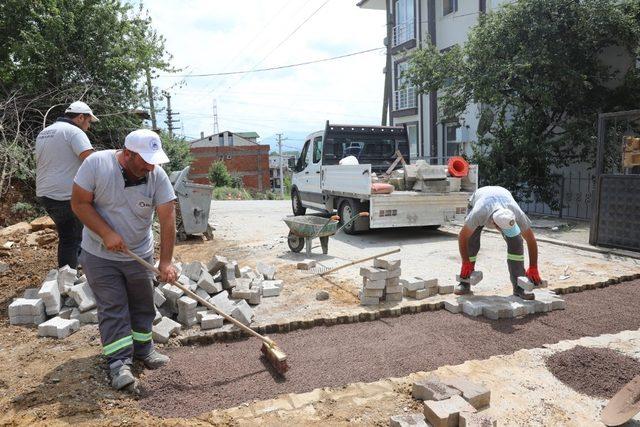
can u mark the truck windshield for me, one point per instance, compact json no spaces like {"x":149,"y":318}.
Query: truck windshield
{"x":377,"y":150}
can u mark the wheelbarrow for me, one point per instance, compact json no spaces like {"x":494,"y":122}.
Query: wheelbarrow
{"x":304,"y":228}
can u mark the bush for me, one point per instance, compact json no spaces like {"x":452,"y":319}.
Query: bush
{"x":178,"y":151}
{"x":236,"y":180}
{"x":230,"y":193}
{"x":219,"y":175}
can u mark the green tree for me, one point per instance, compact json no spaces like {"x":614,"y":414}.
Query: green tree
{"x":178,"y":151}
{"x":538,"y":70}
{"x":219,"y":175}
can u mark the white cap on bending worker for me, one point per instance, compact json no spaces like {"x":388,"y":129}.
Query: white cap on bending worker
{"x":148,"y":145}
{"x":505,"y":220}
{"x":80,"y":107}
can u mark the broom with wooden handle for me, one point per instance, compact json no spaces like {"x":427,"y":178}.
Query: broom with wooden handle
{"x":272,"y":352}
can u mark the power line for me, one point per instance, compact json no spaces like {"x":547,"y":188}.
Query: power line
{"x":228,"y":73}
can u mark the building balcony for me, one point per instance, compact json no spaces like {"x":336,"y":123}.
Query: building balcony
{"x":405,"y":98}
{"x":403,"y":33}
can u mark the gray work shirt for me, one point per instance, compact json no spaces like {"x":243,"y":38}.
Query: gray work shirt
{"x":486,"y":200}
{"x":57,"y":159}
{"x":128,"y":211}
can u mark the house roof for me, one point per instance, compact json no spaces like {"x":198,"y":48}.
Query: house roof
{"x":247,"y":134}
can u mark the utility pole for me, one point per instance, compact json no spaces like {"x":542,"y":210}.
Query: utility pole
{"x":170,"y":120}
{"x":280,"y":139}
{"x":152,"y":108}
{"x":215,"y":118}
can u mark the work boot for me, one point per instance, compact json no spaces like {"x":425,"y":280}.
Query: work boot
{"x":121,"y":375}
{"x":155,"y":360}
{"x":520,"y":293}
{"x":462,"y":289}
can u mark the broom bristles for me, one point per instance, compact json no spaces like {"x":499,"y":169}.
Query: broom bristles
{"x":276,"y":357}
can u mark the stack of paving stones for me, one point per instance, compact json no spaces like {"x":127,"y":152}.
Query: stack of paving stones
{"x":221,"y":282}
{"x":448,"y":402}
{"x":381,"y":282}
{"x":419,"y":288}
{"x":59,"y":307}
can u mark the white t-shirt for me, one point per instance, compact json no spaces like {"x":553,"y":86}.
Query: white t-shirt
{"x":486,"y":200}
{"x":57,"y":159}
{"x":128,"y":210}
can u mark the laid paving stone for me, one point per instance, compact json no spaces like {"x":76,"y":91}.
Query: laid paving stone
{"x":472,"y":307}
{"x":498,"y":310}
{"x":242,"y":312}
{"x":445,"y":289}
{"x":158,"y":297}
{"x":453,"y":307}
{"x":49,"y":293}
{"x":476,"y":394}
{"x":82,"y":295}
{"x":432,"y":389}
{"x":470,"y":419}
{"x":58,"y":327}
{"x":386,"y":264}
{"x":408,"y":420}
{"x":307,"y":264}
{"x":208,"y":284}
{"x":445,"y":413}
{"x":373,"y":273}
{"x":373,"y":284}
{"x":163,"y":330}
{"x":216,"y":264}
{"x":66,"y":278}
{"x":268,"y":271}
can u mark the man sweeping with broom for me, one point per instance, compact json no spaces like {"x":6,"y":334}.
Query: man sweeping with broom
{"x":115,"y":194}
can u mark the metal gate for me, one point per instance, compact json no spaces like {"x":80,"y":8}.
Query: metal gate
{"x":616,"y":218}
{"x":575,"y":197}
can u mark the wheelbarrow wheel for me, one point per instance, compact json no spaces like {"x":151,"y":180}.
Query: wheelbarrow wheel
{"x":296,"y":244}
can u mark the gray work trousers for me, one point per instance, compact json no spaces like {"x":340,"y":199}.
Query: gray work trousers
{"x":515,"y":254}
{"x":124,"y":296}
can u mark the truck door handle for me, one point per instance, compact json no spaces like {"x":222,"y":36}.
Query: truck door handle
{"x":306,"y":173}
{"x":317,"y":171}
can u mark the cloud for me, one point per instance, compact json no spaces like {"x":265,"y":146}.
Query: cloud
{"x":243,"y":35}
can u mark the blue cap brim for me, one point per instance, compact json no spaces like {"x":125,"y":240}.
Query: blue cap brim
{"x":512,"y":232}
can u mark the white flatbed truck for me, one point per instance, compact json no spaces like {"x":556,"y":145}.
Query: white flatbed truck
{"x":321,"y":184}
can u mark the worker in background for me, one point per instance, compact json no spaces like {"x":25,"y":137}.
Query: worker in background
{"x":115,"y":194}
{"x":60,"y":150}
{"x":495,"y":207}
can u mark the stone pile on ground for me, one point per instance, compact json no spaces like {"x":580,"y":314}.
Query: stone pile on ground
{"x":448,"y":402}
{"x":63,"y":298}
{"x":222,"y":283}
{"x":498,"y":307}
{"x":381,"y":282}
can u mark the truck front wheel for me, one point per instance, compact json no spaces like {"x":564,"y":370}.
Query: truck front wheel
{"x":296,"y":203}
{"x":347,"y":210}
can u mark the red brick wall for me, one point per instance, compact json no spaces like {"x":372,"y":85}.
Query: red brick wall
{"x":250,"y":162}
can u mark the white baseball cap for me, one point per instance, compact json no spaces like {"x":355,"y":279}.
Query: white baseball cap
{"x":506,"y":221}
{"x":146,"y":143}
{"x":82,"y":108}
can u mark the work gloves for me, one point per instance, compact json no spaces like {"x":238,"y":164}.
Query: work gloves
{"x":467,"y":269}
{"x":533,"y":275}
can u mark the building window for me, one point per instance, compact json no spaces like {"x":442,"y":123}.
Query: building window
{"x":221,"y":140}
{"x":452,"y":139}
{"x":449,"y":6}
{"x":404,"y":95}
{"x":230,"y":140}
{"x":412,"y":135}
{"x":404,"y":29}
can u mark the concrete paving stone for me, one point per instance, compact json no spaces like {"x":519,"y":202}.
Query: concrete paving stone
{"x":543,"y":284}
{"x":242,"y":312}
{"x":187,"y":305}
{"x":66,"y":278}
{"x":202,"y":294}
{"x":222,"y":302}
{"x":430,"y":283}
{"x":69,"y":302}
{"x":241,"y":291}
{"x":163,"y":330}
{"x":472,"y":307}
{"x":474,"y":279}
{"x":393,"y":289}
{"x":497,"y":310}
{"x":452,"y":306}
{"x":419,"y":294}
{"x":255,"y":296}
{"x":211,"y":320}
{"x":171,"y":292}
{"x":89,"y":317}
{"x":52,"y":274}
{"x":216,"y":264}
{"x":469,"y":419}
{"x":394,"y":281}
{"x":81,"y":279}
{"x":83,"y":295}
{"x":207,"y":283}
{"x":445,"y":289}
{"x":75,"y":314}
{"x":236,"y":269}
{"x":158,"y":317}
{"x":476,"y":394}
{"x":525,"y":283}
{"x":268,"y":271}
{"x":65,"y":312}
{"x":184,"y":281}
{"x":373,"y":284}
{"x":27,"y":320}
{"x":166,"y":310}
{"x":412,"y":284}
{"x":393,"y":274}
{"x":386,"y":264}
{"x":376,"y":293}
{"x":247,"y":272}
{"x":307,"y":264}
{"x":58,"y":327}
{"x":32,"y":293}
{"x":300,"y":400}
{"x":446,"y":413}
{"x":431,"y":388}
{"x":270,"y":289}
{"x":26,"y":307}
{"x":394,"y":297}
{"x":158,"y":297}
{"x":408,"y":420}
{"x":228,"y":276}
{"x":49,"y":293}
{"x":373,"y":273}
{"x":518,"y":308}
{"x":193,"y":270}
{"x":364,"y":300}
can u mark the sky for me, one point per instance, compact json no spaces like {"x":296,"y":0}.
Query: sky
{"x":213,"y":36}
